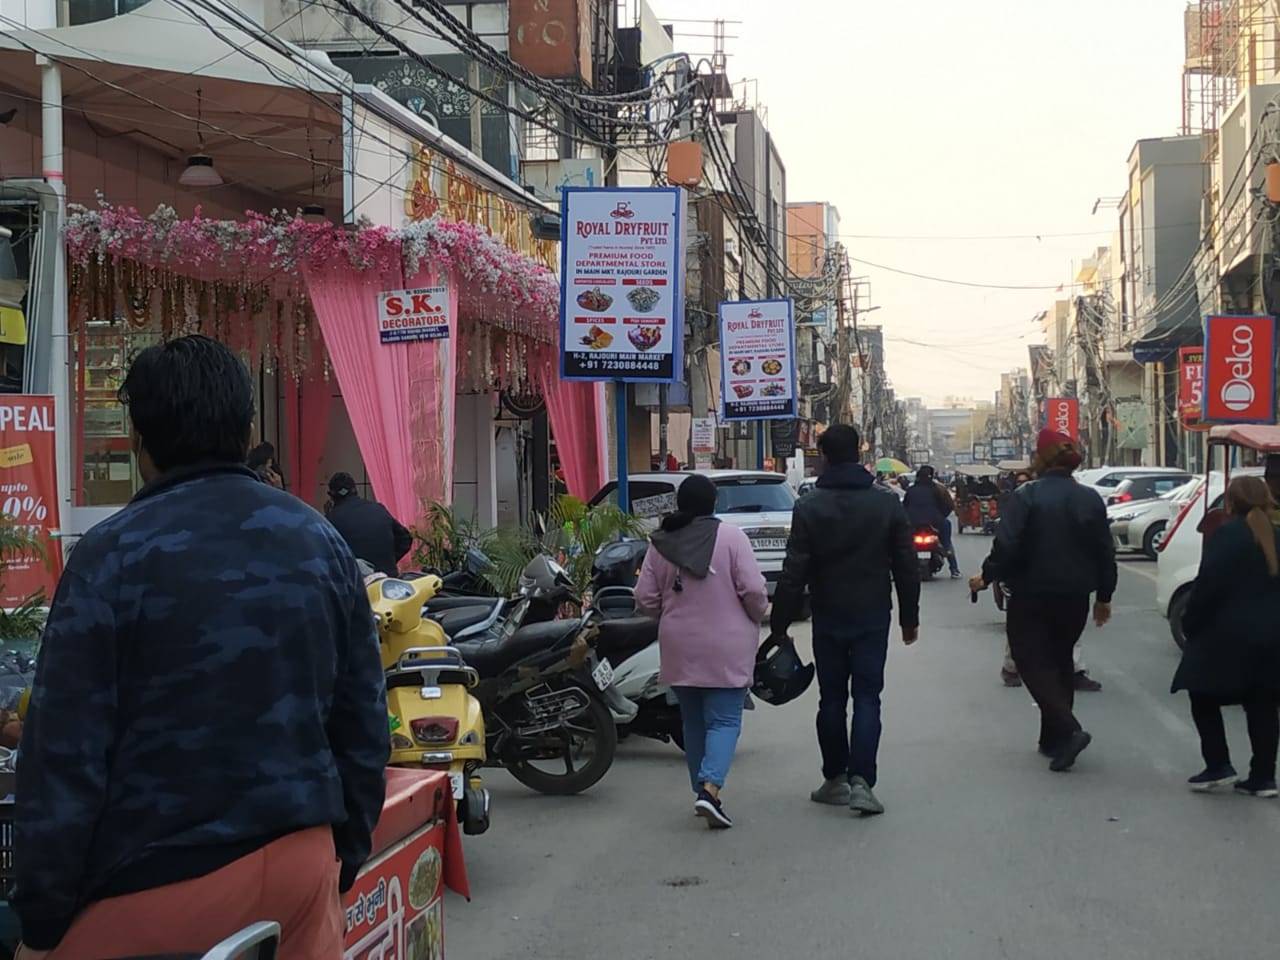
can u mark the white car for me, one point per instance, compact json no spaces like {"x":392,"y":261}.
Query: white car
{"x":758,"y":501}
{"x":1141,"y":525}
{"x":1104,"y":480}
{"x":1179,"y":555}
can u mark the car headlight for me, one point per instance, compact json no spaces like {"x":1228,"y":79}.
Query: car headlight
{"x":1124,"y":517}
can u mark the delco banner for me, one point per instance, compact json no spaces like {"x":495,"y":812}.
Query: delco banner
{"x":1190,"y":383}
{"x":1240,"y":369}
{"x":757,"y":360}
{"x":1063,"y":415}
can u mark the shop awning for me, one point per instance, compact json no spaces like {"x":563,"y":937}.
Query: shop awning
{"x":1164,"y":339}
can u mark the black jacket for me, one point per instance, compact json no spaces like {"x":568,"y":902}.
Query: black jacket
{"x":373,"y":535}
{"x":928,"y":504}
{"x":1232,"y":645}
{"x":846,"y":538}
{"x":1053,"y":539}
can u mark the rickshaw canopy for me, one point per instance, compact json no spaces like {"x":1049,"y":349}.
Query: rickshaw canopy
{"x":977,"y":470}
{"x":1262,"y":437}
{"x":1013,"y":466}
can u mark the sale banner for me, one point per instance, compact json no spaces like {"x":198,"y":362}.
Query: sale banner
{"x":1190,"y":383}
{"x":1063,"y":415}
{"x":419,"y":314}
{"x":1239,"y":369}
{"x":29,"y":493}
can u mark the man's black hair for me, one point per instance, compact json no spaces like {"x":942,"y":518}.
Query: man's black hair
{"x":190,"y":401}
{"x":841,"y":444}
{"x":261,"y":455}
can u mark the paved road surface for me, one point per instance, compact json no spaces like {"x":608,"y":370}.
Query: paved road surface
{"x":983,"y":853}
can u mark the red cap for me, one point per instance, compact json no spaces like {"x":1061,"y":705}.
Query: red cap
{"x":1050,"y":439}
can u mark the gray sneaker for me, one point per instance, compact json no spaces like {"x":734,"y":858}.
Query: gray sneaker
{"x":861,"y":799}
{"x":834,"y":792}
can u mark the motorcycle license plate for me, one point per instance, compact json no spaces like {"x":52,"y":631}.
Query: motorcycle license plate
{"x":457,"y":783}
{"x":924,"y":555}
{"x":769,"y":543}
{"x":603,"y":674}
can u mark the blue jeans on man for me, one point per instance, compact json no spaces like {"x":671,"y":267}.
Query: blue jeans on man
{"x":712,"y":719}
{"x":944,"y":535}
{"x":850,"y":654}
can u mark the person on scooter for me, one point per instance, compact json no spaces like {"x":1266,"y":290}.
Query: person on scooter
{"x":929,"y":504}
{"x":207,"y":736}
{"x":371,"y":532}
{"x":703,"y":583}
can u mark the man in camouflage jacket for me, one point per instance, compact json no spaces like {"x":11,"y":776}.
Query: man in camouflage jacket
{"x":208,"y":685}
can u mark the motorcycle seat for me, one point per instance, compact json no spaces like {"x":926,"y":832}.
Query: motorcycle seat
{"x":492,"y":655}
{"x":624,"y":637}
{"x":456,"y":620}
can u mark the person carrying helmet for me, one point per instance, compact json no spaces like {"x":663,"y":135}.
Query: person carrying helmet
{"x":929,"y":504}
{"x":371,"y":532}
{"x":1054,"y":549}
{"x":846,"y":540}
{"x":701,"y":580}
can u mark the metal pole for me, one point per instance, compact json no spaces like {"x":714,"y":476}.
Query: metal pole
{"x":760,"y":424}
{"x":620,"y":425}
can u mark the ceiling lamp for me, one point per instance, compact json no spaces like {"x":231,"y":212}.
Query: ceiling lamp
{"x":200,"y":171}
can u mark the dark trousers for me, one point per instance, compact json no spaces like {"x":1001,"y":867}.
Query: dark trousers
{"x":849,"y":653}
{"x":1043,"y":632}
{"x":1261,"y":711}
{"x":944,"y":537}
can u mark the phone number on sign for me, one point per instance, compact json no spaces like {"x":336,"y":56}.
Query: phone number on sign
{"x":586,"y":361}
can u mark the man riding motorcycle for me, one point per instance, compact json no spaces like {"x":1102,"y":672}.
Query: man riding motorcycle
{"x":929,"y":504}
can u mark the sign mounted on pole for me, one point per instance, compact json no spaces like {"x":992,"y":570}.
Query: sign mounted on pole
{"x":1190,"y":383}
{"x":757,"y":360}
{"x":704,"y":435}
{"x":622,"y":284}
{"x":1063,"y":414}
{"x":1003,"y":448}
{"x":1240,"y":369}
{"x":981,"y":452}
{"x":28,"y":471}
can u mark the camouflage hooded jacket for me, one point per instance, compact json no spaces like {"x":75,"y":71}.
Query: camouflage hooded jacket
{"x":209,"y":681}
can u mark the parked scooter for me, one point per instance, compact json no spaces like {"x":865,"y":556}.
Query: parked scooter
{"x":435,"y":721}
{"x":928,"y":547}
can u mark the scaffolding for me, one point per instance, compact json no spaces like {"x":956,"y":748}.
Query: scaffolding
{"x":1230,"y":45}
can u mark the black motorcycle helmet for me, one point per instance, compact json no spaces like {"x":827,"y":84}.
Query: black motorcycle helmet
{"x":780,"y":674}
{"x":617,"y":564}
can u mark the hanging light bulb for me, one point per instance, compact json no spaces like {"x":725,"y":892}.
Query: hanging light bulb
{"x":200,"y":171}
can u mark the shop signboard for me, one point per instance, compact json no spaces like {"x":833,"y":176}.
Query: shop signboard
{"x":421,"y":313}
{"x":1190,"y":383}
{"x":919,"y":458}
{"x":964,"y":459}
{"x":29,"y":493}
{"x":396,"y":908}
{"x":1003,"y":448}
{"x":757,"y":360}
{"x":622,"y":284}
{"x":981,"y":452}
{"x":783,"y":438}
{"x":1239,"y":369}
{"x":704,"y":435}
{"x":1063,"y":415}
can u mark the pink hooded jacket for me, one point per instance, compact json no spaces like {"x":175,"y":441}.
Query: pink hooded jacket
{"x":708,"y":631}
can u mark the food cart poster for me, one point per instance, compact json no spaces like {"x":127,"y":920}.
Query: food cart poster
{"x":395,"y":910}
{"x":622,"y":284}
{"x":29,"y":493}
{"x":757,"y":360}
{"x":418,"y":314}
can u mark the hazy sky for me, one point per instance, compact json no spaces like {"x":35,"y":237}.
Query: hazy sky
{"x":933,"y":118}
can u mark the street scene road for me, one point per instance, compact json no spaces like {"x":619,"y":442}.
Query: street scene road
{"x":983,"y":852}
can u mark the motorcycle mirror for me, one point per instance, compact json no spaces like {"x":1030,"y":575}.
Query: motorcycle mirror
{"x":477,"y":561}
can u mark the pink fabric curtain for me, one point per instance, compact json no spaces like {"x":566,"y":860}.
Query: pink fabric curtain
{"x":399,"y":396}
{"x":307,"y":412}
{"x":575,"y":411}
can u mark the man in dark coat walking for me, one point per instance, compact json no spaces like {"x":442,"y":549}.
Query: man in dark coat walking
{"x":1053,"y":549}
{"x":847,"y":537}
{"x":373,"y":535}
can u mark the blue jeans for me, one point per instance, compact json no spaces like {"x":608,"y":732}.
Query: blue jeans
{"x":712,"y":721}
{"x":850,"y":654}
{"x":944,"y":535}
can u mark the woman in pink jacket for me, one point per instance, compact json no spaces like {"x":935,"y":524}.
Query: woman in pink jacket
{"x":702,"y":582}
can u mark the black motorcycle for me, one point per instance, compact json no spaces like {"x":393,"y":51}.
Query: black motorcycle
{"x":928,"y":548}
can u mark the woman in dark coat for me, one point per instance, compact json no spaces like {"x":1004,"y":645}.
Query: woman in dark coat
{"x":1232,"y":657}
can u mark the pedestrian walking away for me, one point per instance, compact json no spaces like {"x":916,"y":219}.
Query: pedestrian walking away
{"x":207,"y":735}
{"x":847,"y":541}
{"x":929,"y":504}
{"x":1233,"y":652}
{"x":373,"y":534}
{"x":701,"y":580}
{"x":1053,"y":548}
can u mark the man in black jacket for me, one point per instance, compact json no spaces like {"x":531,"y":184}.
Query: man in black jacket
{"x":929,"y":504}
{"x":373,"y":535}
{"x":846,"y":539}
{"x":1053,"y":549}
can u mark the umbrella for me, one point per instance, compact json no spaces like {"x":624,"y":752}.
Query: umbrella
{"x":891,"y":466}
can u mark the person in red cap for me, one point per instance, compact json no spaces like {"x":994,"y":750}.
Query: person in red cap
{"x":1053,"y":550}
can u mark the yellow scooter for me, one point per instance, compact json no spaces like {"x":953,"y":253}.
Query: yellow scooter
{"x":435,"y":721}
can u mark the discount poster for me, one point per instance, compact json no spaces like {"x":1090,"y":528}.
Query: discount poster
{"x":29,"y":493}
{"x":757,"y":360}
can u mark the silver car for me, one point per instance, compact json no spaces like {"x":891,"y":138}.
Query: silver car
{"x":1141,"y":525}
